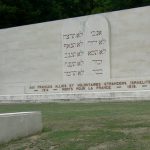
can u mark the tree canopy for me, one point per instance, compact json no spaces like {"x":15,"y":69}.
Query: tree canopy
{"x":22,"y":12}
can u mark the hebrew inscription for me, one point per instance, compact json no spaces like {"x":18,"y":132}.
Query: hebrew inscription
{"x":73,"y":51}
{"x":97,"y":49}
{"x":86,"y":50}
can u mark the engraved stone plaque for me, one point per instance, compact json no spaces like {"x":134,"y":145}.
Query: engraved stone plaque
{"x":97,"y":63}
{"x":73,"y":50}
{"x":86,"y":50}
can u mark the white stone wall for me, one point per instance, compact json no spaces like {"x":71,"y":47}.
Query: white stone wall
{"x":32,"y":55}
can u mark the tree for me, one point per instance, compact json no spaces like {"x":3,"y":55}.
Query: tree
{"x":20,"y":12}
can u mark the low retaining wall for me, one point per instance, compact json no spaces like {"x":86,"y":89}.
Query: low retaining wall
{"x":17,"y":125}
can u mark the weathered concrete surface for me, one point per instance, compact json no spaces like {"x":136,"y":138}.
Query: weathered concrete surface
{"x":17,"y":125}
{"x":32,"y":55}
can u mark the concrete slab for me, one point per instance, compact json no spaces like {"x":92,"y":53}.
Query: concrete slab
{"x":20,"y":124}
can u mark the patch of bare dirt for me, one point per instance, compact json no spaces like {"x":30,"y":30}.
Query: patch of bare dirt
{"x":108,"y":145}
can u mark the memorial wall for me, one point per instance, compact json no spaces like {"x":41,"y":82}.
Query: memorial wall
{"x":103,"y":56}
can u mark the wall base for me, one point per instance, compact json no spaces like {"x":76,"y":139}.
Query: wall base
{"x":80,"y":97}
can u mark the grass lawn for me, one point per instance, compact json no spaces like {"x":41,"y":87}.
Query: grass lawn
{"x":94,"y":126}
